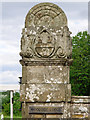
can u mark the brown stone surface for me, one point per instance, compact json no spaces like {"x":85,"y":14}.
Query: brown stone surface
{"x":67,"y":110}
{"x":79,"y":116}
{"x":26,"y":110}
{"x":37,"y":116}
{"x":80,"y":99}
{"x":53,"y":116}
{"x":44,"y":92}
{"x":80,"y":107}
{"x":45,"y":74}
{"x":68,"y":92}
{"x":51,"y":12}
{"x":24,"y":74}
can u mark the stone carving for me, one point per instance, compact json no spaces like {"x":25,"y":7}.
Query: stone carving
{"x":46,"y":48}
{"x":46,"y":34}
{"x":46,"y":54}
{"x":44,"y":44}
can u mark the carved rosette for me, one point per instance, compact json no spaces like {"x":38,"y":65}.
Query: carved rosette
{"x":46,"y":35}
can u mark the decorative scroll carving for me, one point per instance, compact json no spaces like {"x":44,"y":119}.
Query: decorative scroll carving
{"x":60,"y":52}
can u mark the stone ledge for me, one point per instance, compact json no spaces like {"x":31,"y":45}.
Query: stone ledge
{"x":83,"y":97}
{"x":46,"y":62}
{"x":80,"y":99}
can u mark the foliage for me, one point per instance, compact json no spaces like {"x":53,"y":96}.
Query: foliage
{"x":6,"y":104}
{"x":79,"y":72}
{"x":17,"y":104}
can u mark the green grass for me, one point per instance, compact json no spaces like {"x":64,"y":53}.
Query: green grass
{"x":9,"y":117}
{"x":13,"y":117}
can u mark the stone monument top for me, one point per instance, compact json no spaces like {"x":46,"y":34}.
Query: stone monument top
{"x":46,"y":36}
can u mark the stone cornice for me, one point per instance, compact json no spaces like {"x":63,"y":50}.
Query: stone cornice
{"x":66,"y":62}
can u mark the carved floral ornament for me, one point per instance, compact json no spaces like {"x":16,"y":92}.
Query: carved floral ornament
{"x":46,"y":34}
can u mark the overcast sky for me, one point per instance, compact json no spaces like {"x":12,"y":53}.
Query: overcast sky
{"x":13,"y":17}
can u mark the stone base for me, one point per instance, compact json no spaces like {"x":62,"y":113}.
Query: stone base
{"x":51,"y":119}
{"x":64,"y":113}
{"x":78,"y":108}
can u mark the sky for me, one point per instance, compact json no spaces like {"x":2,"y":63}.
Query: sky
{"x":13,"y":18}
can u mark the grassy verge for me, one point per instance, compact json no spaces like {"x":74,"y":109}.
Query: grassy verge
{"x":13,"y":117}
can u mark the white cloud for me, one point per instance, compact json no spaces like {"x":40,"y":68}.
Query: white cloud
{"x":10,"y":42}
{"x":76,"y":26}
{"x":9,"y":77}
{"x":9,"y":59}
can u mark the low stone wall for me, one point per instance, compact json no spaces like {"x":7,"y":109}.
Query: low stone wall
{"x":80,"y":107}
{"x":77,"y":108}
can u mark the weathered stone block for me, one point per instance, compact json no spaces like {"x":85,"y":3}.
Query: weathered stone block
{"x":81,"y":99}
{"x":37,"y":116}
{"x":53,"y":116}
{"x":45,"y":92}
{"x":24,"y":74}
{"x":45,"y":74}
{"x":80,"y":107}
{"x":68,"y":92}
{"x":67,"y":110}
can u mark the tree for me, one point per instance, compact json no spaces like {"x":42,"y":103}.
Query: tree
{"x":17,"y":104}
{"x":79,"y":71}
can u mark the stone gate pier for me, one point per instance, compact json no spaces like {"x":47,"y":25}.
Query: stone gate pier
{"x":46,"y":48}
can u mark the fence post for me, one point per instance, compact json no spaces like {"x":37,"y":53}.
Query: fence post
{"x":11,"y":104}
{"x":2,"y":117}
